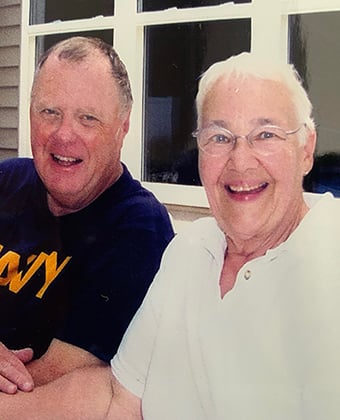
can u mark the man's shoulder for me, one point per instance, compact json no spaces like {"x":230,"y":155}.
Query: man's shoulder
{"x":129,"y":198}
{"x":17,"y":162}
{"x":130,"y":189}
{"x":17,"y":171}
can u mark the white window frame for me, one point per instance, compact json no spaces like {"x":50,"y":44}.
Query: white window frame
{"x":269,"y":35}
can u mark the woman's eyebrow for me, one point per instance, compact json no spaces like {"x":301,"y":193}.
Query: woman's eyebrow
{"x":218,"y":123}
{"x":263,"y":121}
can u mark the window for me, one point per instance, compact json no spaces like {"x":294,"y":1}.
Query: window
{"x":315,"y":52}
{"x":175,"y":56}
{"x":43,"y":11}
{"x":166,"y":45}
{"x":44,"y":42}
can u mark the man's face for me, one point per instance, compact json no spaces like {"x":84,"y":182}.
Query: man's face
{"x":76,"y":130}
{"x":254,"y":196}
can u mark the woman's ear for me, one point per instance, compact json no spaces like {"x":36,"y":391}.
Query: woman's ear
{"x":309,"y":148}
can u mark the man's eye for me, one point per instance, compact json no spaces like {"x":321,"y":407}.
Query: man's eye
{"x":89,"y":117}
{"x":49,"y":111}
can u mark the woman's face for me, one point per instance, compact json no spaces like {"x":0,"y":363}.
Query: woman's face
{"x":255,"y":196}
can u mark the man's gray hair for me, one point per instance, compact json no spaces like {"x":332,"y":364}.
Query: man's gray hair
{"x":78,"y":48}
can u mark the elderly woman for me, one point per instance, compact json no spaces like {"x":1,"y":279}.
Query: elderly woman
{"x":242,"y":320}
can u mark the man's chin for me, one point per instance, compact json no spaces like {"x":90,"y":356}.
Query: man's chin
{"x":65,"y":201}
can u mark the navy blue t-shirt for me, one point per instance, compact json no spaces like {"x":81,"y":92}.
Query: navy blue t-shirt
{"x":95,"y":265}
{"x":32,"y":293}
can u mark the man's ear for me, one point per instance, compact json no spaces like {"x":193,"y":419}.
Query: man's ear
{"x":126,"y":123}
{"x":123,"y":128}
{"x":309,"y":148}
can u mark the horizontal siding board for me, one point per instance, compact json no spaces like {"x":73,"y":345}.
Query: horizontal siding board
{"x":8,"y":138}
{"x":9,"y":36}
{"x":8,"y":153}
{"x":10,"y":16}
{"x":8,"y":118}
{"x":9,"y":76}
{"x":10,"y":21}
{"x":9,"y":56}
{"x":5,"y":3}
{"x":9,"y":97}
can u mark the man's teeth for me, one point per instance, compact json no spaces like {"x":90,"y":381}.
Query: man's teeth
{"x":65,"y":159}
{"x":246,"y":187}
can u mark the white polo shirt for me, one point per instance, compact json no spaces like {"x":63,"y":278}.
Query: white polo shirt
{"x":269,"y":350}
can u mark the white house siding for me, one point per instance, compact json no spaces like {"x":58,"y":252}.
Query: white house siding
{"x":10,"y":19}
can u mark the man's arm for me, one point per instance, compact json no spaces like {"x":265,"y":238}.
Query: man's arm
{"x":124,"y":405}
{"x":18,"y":372}
{"x":60,"y":358}
{"x":90,"y":393}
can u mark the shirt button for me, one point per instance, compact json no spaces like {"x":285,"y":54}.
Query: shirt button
{"x":247,"y":274}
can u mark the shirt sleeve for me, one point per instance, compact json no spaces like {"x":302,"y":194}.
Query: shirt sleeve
{"x":130,"y":364}
{"x":132,"y":360}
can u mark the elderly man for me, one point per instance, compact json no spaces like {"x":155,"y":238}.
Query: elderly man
{"x":80,"y":239}
{"x":242,"y":318}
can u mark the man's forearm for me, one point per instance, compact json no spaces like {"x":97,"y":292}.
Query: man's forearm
{"x":60,"y":359}
{"x":85,"y":393}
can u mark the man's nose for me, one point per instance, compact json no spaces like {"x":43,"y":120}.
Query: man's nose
{"x":65,"y":129}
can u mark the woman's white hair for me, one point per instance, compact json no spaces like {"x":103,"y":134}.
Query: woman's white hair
{"x":250,"y":65}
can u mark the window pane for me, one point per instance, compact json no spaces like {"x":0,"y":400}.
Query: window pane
{"x":176,"y":56}
{"x":315,"y":51}
{"x":152,"y":5}
{"x":43,"y":43}
{"x":43,"y":11}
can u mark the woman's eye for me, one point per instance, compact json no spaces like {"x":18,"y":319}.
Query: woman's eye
{"x":264,"y":135}
{"x":220,"y":138}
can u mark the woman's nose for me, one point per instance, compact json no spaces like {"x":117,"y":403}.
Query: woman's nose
{"x":242,"y":156}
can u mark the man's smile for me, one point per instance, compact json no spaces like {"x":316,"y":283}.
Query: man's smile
{"x":65,"y":160}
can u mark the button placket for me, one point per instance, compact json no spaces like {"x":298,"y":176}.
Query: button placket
{"x":247,"y":274}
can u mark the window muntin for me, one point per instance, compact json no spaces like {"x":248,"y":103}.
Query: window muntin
{"x":44,"y":11}
{"x":44,"y":42}
{"x":153,"y":5}
{"x":176,"y":56}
